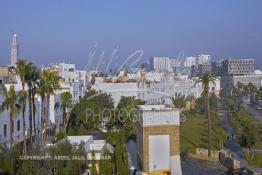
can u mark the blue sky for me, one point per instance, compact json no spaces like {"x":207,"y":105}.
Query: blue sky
{"x":66,"y":30}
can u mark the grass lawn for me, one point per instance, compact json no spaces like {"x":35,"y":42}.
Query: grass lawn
{"x":258,"y":144}
{"x":246,"y":116}
{"x":256,"y":161}
{"x":193,"y":133}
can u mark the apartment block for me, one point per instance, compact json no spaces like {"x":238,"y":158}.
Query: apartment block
{"x":238,"y":66}
{"x":160,"y":64}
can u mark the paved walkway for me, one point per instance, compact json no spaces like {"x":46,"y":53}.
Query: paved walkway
{"x":231,"y":144}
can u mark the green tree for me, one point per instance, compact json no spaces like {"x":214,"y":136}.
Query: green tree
{"x":21,"y":69}
{"x":249,"y":135}
{"x":31,"y":70}
{"x":35,"y":84}
{"x":41,"y":91}
{"x":105,"y":164}
{"x":206,"y":79}
{"x":22,"y":106}
{"x":50,"y":81}
{"x":10,"y":103}
{"x":126,"y":115}
{"x":259,"y":94}
{"x":252,"y":90}
{"x":121,"y":155}
{"x":66,"y":103}
{"x":90,"y":113}
{"x":179,"y":101}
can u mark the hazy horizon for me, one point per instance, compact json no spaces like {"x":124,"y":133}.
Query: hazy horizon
{"x":54,"y":31}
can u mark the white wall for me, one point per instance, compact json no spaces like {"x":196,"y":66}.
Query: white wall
{"x":117,"y":90}
{"x":17,"y":134}
{"x":159,"y":148}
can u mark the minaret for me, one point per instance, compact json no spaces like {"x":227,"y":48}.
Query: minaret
{"x":14,"y":50}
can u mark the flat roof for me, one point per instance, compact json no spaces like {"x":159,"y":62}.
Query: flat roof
{"x":79,"y":139}
{"x":156,"y":107}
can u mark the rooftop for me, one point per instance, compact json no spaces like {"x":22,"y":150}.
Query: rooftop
{"x":156,"y":107}
{"x":79,"y":139}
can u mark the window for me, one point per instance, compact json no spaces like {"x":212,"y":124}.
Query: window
{"x":5,"y":130}
{"x":18,"y":125}
{"x":71,"y":70}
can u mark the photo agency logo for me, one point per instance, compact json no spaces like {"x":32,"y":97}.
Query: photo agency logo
{"x":97,"y":62}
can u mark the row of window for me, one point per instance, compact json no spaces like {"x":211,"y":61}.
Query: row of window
{"x":17,"y":127}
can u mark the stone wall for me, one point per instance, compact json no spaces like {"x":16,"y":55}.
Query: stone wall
{"x":226,"y":159}
{"x":202,"y":153}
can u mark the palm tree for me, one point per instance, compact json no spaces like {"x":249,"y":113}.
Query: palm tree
{"x":10,"y":103}
{"x":206,"y":79}
{"x":50,"y":82}
{"x":41,"y":91}
{"x":21,"y":69}
{"x":30,"y":71}
{"x":259,"y":93}
{"x":35,"y":83}
{"x":66,"y":102}
{"x":22,"y":105}
{"x":252,"y":89}
{"x":179,"y":101}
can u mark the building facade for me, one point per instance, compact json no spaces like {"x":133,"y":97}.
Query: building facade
{"x":153,"y":88}
{"x":190,"y":61}
{"x":238,"y":66}
{"x":203,"y":59}
{"x":160,"y":64}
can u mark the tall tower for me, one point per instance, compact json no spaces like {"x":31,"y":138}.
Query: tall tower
{"x":14,"y":50}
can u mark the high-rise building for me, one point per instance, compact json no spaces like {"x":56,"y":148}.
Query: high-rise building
{"x":14,"y":50}
{"x":203,"y":59}
{"x":160,"y":64}
{"x":238,"y":66}
{"x":190,"y":61}
{"x":217,"y":67}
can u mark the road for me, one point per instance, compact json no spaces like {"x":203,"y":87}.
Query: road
{"x":201,"y":167}
{"x":132,"y":156}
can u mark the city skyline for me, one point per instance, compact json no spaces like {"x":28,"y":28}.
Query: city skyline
{"x":69,"y":31}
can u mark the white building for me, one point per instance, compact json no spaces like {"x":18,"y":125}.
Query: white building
{"x":53,"y":118}
{"x":94,"y":149}
{"x":154,"y":87}
{"x":190,"y":61}
{"x":67,"y":72}
{"x":174,"y":63}
{"x":74,"y":80}
{"x":17,"y":133}
{"x":203,"y":59}
{"x":160,"y":64}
